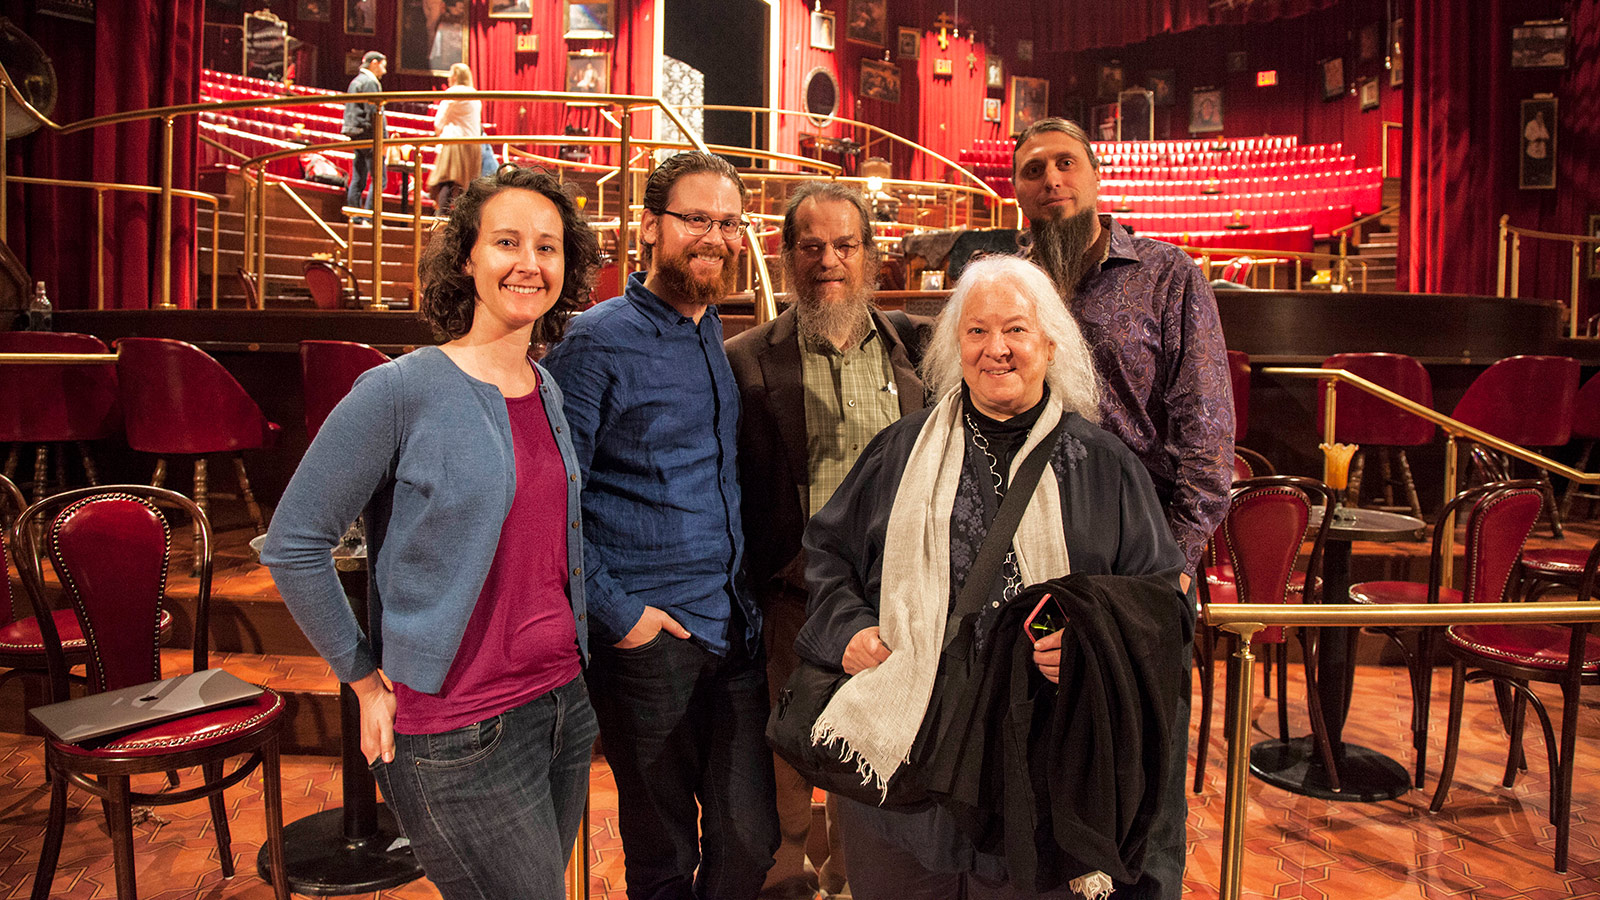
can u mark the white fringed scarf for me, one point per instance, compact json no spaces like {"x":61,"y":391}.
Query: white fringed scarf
{"x":876,"y":714}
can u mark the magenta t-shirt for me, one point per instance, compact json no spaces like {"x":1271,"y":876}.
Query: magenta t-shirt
{"x":521,"y":641}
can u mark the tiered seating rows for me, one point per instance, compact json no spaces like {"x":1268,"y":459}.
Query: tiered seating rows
{"x":252,"y":143}
{"x":1362,"y":199}
{"x":1321,"y":220}
{"x":293,"y":138}
{"x":408,"y":123}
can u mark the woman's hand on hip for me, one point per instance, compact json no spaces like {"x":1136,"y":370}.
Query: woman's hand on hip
{"x":865,"y":651}
{"x":1047,"y":656}
{"x":377,"y":717}
{"x":653,"y":622}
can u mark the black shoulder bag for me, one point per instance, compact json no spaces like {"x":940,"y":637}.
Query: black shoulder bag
{"x":808,"y":690}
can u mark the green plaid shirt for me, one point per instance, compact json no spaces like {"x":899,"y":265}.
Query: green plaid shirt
{"x":850,"y":397}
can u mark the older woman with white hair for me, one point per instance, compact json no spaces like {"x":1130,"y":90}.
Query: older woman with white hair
{"x":888,"y":555}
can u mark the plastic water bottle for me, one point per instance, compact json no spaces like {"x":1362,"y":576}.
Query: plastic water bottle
{"x":40,"y":309}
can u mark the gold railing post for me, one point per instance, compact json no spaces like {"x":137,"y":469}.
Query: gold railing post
{"x":1331,"y":396}
{"x":1577,"y":266}
{"x":1516,"y":265}
{"x":216,"y":248}
{"x":1233,"y":808}
{"x":380,"y":182}
{"x":5,"y":189}
{"x":166,"y":213}
{"x":416,"y":227}
{"x":261,"y":237}
{"x":1447,"y":525}
{"x":100,"y":248}
{"x":1500,"y":253}
{"x":625,"y":185}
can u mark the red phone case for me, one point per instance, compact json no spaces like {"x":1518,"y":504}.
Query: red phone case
{"x":1027,"y":626}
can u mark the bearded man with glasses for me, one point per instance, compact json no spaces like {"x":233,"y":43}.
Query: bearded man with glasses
{"x":816,"y":384}
{"x":678,"y":673}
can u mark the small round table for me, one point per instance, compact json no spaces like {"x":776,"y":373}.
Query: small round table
{"x":1364,"y":774}
{"x":356,"y":848}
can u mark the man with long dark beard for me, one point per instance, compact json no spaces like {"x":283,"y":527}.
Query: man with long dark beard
{"x":1152,"y":326}
{"x":817,"y":383}
{"x":677,"y":674}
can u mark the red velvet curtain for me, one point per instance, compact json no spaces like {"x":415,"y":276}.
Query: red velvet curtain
{"x":149,"y":56}
{"x":1462,"y":158}
{"x":952,"y":105}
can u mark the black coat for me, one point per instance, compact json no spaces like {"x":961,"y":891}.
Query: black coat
{"x":1063,"y":780}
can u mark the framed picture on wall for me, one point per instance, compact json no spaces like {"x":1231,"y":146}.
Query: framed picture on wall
{"x":77,"y":10}
{"x":880,"y":81}
{"x":1536,"y":169}
{"x":994,"y":72}
{"x":1397,"y":53}
{"x":1030,"y":102}
{"x":991,"y":109}
{"x":1238,"y":60}
{"x":1368,"y":91}
{"x":588,"y":72}
{"x":1110,"y":80}
{"x":510,"y":9}
{"x":360,"y":16}
{"x":1205,"y":110}
{"x":588,"y":21}
{"x":425,"y":49}
{"x":1593,"y":250}
{"x":908,"y":43}
{"x":822,"y":31}
{"x":1367,"y":43}
{"x":1539,"y":45}
{"x":1333,"y":78}
{"x":1160,"y":82}
{"x":352,"y":61}
{"x":311,"y":10}
{"x":1025,"y":50}
{"x":866,"y":22}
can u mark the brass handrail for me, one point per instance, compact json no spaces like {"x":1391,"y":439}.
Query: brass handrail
{"x":304,"y":207}
{"x":1453,"y":429}
{"x":99,"y":188}
{"x":57,"y":359}
{"x":1271,"y":255}
{"x":1344,"y":231}
{"x":1245,"y":619}
{"x":1509,"y":243}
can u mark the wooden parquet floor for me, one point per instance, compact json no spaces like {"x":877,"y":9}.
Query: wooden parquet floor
{"x":1488,"y":842}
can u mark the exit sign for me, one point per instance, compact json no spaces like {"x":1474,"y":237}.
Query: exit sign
{"x":528,"y":43}
{"x":1266,"y":78}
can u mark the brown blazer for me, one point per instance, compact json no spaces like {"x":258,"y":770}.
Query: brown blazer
{"x":773,"y":470}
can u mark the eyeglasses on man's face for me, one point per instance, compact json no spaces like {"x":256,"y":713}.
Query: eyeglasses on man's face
{"x":699,"y":225}
{"x":843,"y":247}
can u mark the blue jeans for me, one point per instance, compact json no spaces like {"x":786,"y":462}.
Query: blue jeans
{"x":685,"y":733}
{"x":360,"y":169}
{"x":492,"y":808}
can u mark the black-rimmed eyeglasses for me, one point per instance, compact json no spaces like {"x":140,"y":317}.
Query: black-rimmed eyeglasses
{"x":699,"y":225}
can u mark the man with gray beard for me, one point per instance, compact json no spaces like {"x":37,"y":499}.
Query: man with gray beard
{"x":1152,"y":326}
{"x":816,"y":384}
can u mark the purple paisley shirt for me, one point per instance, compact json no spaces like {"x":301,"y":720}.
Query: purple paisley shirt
{"x":1151,"y":322}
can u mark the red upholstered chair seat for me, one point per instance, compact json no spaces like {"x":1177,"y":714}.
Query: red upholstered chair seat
{"x":1399,"y":592}
{"x":1555,"y":562}
{"x":1540,"y":646}
{"x":194,"y":732}
{"x":22,"y":636}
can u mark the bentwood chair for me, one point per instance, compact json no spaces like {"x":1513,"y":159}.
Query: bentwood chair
{"x":41,"y":405}
{"x":1499,"y":517}
{"x":110,"y":548}
{"x":1266,"y":525}
{"x":328,"y":369}
{"x":331,"y":284}
{"x":1528,"y":401}
{"x":178,"y":401}
{"x":1376,"y":425}
{"x":1513,"y":657}
{"x":22,"y":646}
{"x":1586,"y":428}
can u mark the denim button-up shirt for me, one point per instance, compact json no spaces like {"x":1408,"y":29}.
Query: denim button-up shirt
{"x":654,"y":412}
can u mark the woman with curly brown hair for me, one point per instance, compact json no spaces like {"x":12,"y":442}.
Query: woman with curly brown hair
{"x":474,"y":715}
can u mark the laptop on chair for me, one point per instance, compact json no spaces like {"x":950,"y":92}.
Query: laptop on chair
{"x":131,"y":708}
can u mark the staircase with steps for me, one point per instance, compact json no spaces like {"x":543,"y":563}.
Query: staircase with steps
{"x":1379,"y":247}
